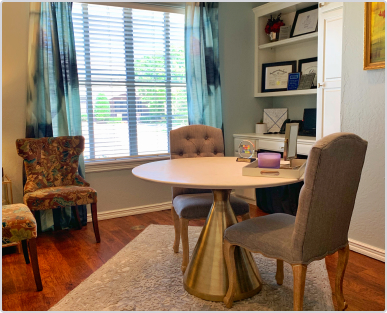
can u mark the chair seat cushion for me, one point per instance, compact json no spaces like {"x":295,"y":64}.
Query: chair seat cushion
{"x":18,"y":223}
{"x":270,"y":235}
{"x":197,"y":206}
{"x":54,"y":197}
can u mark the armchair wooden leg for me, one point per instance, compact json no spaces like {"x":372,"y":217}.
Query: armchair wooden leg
{"x":245,"y":216}
{"x":228,"y":251}
{"x":184,"y":242}
{"x":76,"y":212}
{"x":341,"y":267}
{"x":35,"y":264}
{"x":176,"y":224}
{"x":25,"y":251}
{"x":279,"y":276}
{"x":299,"y":275}
{"x":95,"y":221}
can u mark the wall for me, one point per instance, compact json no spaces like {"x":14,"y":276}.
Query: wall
{"x":295,"y":105}
{"x":241,"y":110}
{"x":14,"y":92}
{"x":362,"y":113}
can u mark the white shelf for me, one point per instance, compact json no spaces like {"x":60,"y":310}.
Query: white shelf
{"x":289,"y":41}
{"x":286,"y":93}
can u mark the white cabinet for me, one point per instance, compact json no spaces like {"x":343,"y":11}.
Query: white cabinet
{"x":330,"y":27}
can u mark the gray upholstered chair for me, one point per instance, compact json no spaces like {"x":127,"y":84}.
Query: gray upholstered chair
{"x":189,"y":204}
{"x":321,"y":226}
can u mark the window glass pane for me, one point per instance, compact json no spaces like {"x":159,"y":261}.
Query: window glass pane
{"x":132,"y":79}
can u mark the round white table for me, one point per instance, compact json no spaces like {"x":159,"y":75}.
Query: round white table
{"x":206,"y":275}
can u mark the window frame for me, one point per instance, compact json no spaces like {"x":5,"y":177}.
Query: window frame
{"x":130,"y":162}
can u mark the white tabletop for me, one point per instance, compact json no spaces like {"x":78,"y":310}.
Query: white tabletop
{"x":205,"y":173}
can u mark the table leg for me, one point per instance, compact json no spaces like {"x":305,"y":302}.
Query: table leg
{"x":206,"y":275}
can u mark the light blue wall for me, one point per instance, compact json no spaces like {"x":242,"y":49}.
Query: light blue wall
{"x":241,"y":110}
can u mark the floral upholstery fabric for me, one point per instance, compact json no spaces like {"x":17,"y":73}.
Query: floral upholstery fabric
{"x":54,"y":197}
{"x":18,"y":223}
{"x":51,"y":161}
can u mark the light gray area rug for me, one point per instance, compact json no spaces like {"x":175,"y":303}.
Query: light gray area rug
{"x":145,"y":276}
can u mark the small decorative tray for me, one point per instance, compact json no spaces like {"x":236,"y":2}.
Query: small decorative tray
{"x":285,"y":171}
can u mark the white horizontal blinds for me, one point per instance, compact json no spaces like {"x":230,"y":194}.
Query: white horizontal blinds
{"x":132,"y":79}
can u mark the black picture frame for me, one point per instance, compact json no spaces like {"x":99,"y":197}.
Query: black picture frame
{"x":313,"y":7}
{"x":276,"y":64}
{"x":304,"y":61}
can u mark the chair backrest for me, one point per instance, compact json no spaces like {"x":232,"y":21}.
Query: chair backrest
{"x":192,"y":142}
{"x":50,"y":161}
{"x":328,"y":196}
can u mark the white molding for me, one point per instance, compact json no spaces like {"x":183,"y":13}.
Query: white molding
{"x":248,"y":200}
{"x":368,"y":250}
{"x":354,"y":245}
{"x":131,"y":211}
{"x":116,"y":165}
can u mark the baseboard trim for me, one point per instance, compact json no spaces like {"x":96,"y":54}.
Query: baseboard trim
{"x":131,"y":211}
{"x":368,"y":250}
{"x":248,"y":200}
{"x":354,"y":245}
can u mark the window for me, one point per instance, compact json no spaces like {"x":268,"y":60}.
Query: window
{"x":131,"y":79}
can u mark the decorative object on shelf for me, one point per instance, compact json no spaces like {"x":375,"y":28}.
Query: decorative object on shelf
{"x":246,"y":151}
{"x":293,"y":81}
{"x":306,"y":81}
{"x":269,"y":160}
{"x":274,"y":118}
{"x":374,"y":35}
{"x":260,"y":128}
{"x":273,"y":27}
{"x":305,"y":21}
{"x":284,"y":32}
{"x":290,"y":144}
{"x":275,"y":75}
{"x":308,"y":66}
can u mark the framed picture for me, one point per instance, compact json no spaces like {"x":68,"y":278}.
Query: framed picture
{"x":374,"y":40}
{"x":275,"y":75}
{"x":305,"y":21}
{"x":307,"y":66}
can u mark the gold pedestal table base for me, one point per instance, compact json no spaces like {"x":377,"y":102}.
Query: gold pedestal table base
{"x":206,"y":275}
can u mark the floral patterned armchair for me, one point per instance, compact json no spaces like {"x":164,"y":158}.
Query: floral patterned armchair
{"x":51,"y":165}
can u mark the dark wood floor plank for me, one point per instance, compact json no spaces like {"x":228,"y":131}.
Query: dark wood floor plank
{"x":68,"y":257}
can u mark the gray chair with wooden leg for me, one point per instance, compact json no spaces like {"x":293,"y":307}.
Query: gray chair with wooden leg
{"x":191,"y":204}
{"x":321,"y":226}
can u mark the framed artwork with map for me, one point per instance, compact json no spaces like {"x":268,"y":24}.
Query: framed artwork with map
{"x":305,"y":21}
{"x":374,"y":35}
{"x":308,"y":66}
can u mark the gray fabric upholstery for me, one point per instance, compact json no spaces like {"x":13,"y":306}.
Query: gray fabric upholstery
{"x":271,"y":235}
{"x":192,"y":142}
{"x":197,"y":206}
{"x":327,"y":199}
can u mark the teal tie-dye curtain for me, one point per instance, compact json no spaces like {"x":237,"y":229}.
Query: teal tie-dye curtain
{"x":202,"y":64}
{"x":53,"y":104}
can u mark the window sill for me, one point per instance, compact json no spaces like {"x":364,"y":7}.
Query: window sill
{"x":116,"y":165}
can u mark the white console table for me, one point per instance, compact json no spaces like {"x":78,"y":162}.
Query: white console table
{"x":274,"y":142}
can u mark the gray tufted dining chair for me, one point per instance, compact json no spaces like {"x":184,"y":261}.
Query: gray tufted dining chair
{"x":321,"y":225}
{"x":187,"y":203}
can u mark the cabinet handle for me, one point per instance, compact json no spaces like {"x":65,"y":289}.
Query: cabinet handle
{"x":321,"y":4}
{"x":281,"y":147}
{"x":320,"y":85}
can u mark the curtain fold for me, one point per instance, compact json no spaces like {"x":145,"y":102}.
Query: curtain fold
{"x":202,"y":64}
{"x":53,"y":104}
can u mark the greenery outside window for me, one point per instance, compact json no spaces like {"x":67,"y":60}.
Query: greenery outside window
{"x":131,"y":78}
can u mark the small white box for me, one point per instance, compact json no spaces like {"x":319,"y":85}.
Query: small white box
{"x":252,"y":169}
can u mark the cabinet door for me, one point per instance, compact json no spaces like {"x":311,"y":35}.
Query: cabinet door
{"x":330,"y":28}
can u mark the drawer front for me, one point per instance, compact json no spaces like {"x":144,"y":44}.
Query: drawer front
{"x":303,"y":149}
{"x":237,"y":141}
{"x":271,"y":145}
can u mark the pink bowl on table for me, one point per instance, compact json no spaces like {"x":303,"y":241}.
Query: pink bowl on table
{"x":269,"y":160}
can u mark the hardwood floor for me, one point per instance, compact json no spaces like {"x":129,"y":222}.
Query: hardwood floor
{"x":68,"y":257}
